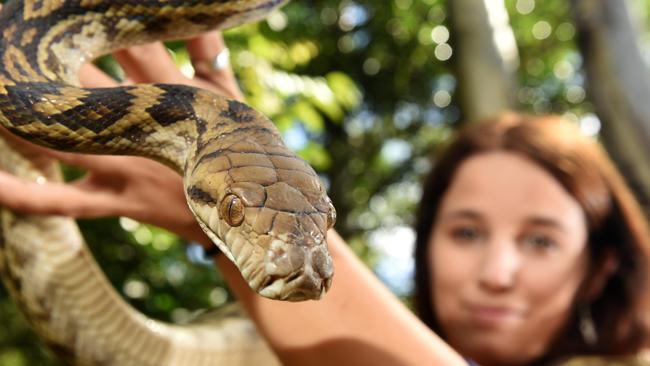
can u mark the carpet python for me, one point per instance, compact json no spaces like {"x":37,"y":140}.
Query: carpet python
{"x":262,"y":206}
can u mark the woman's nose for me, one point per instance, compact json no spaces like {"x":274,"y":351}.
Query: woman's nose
{"x":499,"y":266}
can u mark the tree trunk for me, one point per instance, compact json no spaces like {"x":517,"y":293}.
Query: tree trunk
{"x":485,"y":57}
{"x":619,"y":87}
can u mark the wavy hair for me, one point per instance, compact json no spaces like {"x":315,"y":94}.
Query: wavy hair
{"x":616,"y":226}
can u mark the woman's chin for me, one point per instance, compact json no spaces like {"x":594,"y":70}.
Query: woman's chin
{"x":494,"y":345}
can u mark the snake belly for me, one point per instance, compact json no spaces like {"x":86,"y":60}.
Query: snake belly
{"x":265,"y":208}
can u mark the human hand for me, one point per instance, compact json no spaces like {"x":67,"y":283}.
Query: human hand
{"x":120,"y":185}
{"x":151,"y":63}
{"x":113,"y":186}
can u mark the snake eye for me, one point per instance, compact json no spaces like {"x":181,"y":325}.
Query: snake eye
{"x":331,"y":217}
{"x":232,"y":210}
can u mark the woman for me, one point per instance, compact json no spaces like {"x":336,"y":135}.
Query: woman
{"x":530,"y":247}
{"x":500,"y":284}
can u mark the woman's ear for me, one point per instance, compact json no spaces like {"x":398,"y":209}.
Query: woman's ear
{"x":600,"y":275}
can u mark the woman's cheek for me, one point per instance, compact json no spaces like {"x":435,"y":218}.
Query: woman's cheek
{"x":452,"y":271}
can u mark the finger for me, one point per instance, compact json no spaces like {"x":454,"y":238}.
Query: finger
{"x":52,"y":199}
{"x":149,"y":63}
{"x":205,"y":46}
{"x":96,"y":163}
{"x":91,"y":76}
{"x":203,"y":51}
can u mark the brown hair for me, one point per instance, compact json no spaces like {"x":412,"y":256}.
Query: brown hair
{"x":616,"y":225}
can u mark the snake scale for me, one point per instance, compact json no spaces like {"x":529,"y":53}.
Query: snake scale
{"x":262,"y":206}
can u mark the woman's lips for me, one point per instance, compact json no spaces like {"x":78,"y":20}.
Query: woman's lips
{"x":491,"y":316}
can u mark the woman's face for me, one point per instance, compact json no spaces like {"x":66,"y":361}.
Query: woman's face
{"x":508,"y":252}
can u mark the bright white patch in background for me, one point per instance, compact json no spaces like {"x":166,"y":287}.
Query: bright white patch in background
{"x":441,"y":98}
{"x":196,"y":254}
{"x":245,"y":59}
{"x":128,"y":224}
{"x":396,"y":265}
{"x":525,"y":6}
{"x":136,"y":289}
{"x":291,"y":84}
{"x":143,"y":235}
{"x":575,"y":94}
{"x":563,"y":70}
{"x":352,"y":15}
{"x":443,"y":52}
{"x":295,"y":138}
{"x":542,"y":29}
{"x":440,"y":34}
{"x":182,"y":59}
{"x":395,"y":151}
{"x":187,"y":70}
{"x":162,"y":242}
{"x":504,"y":37}
{"x":218,"y":296}
{"x":590,"y":125}
{"x":277,"y":20}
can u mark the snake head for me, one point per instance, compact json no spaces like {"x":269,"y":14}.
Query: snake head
{"x":268,"y":212}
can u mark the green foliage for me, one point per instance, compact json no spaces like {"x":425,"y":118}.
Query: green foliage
{"x":550,"y":65}
{"x":360,"y":94}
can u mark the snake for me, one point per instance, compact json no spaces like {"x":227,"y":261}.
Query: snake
{"x":262,"y":206}
{"x":54,"y":280}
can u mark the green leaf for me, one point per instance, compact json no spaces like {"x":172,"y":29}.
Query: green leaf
{"x":345,"y":90}
{"x":308,"y":116}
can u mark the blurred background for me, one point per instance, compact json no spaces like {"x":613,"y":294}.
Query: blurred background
{"x":366,"y":91}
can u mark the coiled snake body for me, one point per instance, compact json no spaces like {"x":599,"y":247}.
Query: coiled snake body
{"x":262,"y":206}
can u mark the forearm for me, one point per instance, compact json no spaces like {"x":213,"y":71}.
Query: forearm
{"x":358,"y":322}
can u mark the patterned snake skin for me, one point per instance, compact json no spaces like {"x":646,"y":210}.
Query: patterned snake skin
{"x":263,"y":207}
{"x":68,"y":301}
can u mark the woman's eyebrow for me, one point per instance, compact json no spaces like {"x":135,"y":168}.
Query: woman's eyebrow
{"x":545,"y":221}
{"x":462,"y":214}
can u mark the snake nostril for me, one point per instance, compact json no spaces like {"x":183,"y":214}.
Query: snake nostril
{"x":322,"y":262}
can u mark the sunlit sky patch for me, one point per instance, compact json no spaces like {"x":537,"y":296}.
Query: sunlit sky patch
{"x":396,"y":265}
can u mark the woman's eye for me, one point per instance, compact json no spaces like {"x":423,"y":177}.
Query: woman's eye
{"x":539,"y":241}
{"x":465,"y":234}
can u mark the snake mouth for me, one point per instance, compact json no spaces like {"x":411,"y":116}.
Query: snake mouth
{"x":296,"y":272}
{"x":298,"y":286}
{"x":285,"y":271}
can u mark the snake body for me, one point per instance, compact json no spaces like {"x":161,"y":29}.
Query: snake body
{"x":264,"y":208}
{"x":70,"y":304}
